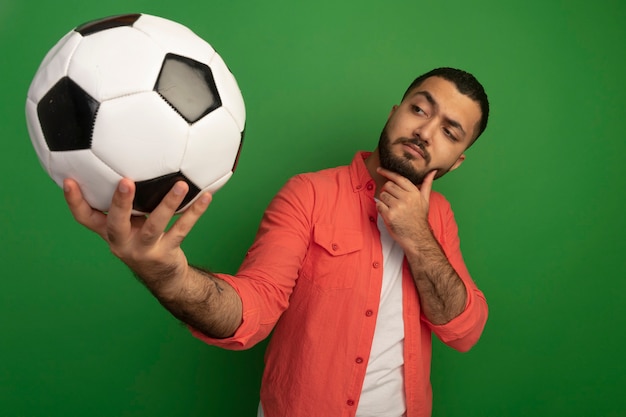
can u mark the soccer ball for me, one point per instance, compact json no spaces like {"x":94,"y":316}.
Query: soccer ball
{"x":136,"y":96}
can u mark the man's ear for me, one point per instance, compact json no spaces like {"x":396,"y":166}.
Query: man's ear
{"x":393,"y":109}
{"x":458,"y":162}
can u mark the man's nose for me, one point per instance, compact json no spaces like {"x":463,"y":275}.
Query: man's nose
{"x":425,"y":131}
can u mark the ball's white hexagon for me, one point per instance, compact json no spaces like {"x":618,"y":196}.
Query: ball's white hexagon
{"x":140,"y":136}
{"x":106,"y":72}
{"x":217,"y":184}
{"x":54,"y":66}
{"x":97,"y":181}
{"x":212,"y":148}
{"x":229,"y":90}
{"x":172,"y":36}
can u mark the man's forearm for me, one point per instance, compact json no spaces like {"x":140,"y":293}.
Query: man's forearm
{"x":203,"y":301}
{"x":442,"y":293}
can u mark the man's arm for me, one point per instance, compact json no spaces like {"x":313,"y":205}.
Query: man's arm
{"x":441,"y":291}
{"x":204,"y":302}
{"x":154,"y":254}
{"x":404,"y":209}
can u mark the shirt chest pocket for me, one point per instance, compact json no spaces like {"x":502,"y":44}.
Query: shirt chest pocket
{"x":334,"y":257}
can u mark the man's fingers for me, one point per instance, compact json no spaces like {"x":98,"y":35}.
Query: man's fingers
{"x":118,"y":218}
{"x":398,"y":179}
{"x":382,"y":208}
{"x":81,"y":210}
{"x":427,"y":184}
{"x":158,"y":220}
{"x":187,"y":220}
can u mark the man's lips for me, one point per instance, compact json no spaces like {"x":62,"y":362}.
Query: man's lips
{"x":414,"y":150}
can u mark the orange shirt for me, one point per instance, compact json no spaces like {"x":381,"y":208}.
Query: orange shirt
{"x":313,"y":275}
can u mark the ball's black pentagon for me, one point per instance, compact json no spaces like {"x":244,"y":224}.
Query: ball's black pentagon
{"x":67,"y":114}
{"x":188,"y":86}
{"x":99,"y":25}
{"x":149,"y":193}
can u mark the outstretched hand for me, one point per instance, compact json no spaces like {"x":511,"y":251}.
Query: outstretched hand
{"x":144,"y":243}
{"x":404,"y":206}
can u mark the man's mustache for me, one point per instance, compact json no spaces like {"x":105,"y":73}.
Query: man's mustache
{"x":417,"y":142}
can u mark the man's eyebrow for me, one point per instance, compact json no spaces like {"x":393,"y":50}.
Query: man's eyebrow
{"x":434,"y":103}
{"x":455,"y":124}
{"x":428,"y":97}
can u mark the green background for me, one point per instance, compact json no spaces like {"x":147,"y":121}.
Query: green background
{"x":539,"y":202}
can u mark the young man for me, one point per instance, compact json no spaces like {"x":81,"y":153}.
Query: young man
{"x":353,"y":268}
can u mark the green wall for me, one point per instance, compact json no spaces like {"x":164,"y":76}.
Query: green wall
{"x":539,"y":202}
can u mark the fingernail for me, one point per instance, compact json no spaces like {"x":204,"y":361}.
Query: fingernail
{"x":179,"y":189}
{"x":205,"y":199}
{"x":123,"y":188}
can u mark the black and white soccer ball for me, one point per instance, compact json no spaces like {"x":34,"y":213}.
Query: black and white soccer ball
{"x":136,"y":96}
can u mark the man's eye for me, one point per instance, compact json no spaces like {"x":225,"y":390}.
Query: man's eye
{"x":449,"y":134}
{"x":418,"y":109}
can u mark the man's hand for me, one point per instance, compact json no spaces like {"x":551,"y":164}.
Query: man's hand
{"x":144,"y":243}
{"x":154,"y":253}
{"x":404,"y":207}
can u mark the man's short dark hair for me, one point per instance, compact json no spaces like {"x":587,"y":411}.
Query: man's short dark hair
{"x":467,"y":85}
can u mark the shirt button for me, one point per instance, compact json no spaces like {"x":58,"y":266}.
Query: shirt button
{"x":372,"y":219}
{"x":359,"y":360}
{"x":335,"y":246}
{"x":376,"y":264}
{"x":370,"y":187}
{"x":369,"y":313}
{"x":350,"y":402}
{"x":358,"y":187}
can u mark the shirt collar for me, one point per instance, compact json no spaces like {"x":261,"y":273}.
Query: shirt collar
{"x":359,"y":175}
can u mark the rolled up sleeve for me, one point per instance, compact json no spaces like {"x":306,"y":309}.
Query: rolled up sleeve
{"x":271,"y":267}
{"x":462,"y":332}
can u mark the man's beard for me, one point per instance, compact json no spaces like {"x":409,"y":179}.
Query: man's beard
{"x":401,"y":165}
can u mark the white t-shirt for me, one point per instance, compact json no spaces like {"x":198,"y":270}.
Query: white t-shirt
{"x":383,"y":387}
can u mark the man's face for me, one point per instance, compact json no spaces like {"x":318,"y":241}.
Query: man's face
{"x":429,"y":130}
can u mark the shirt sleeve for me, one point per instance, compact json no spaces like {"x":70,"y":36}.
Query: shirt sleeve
{"x":271,"y":266}
{"x":462,"y":332}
